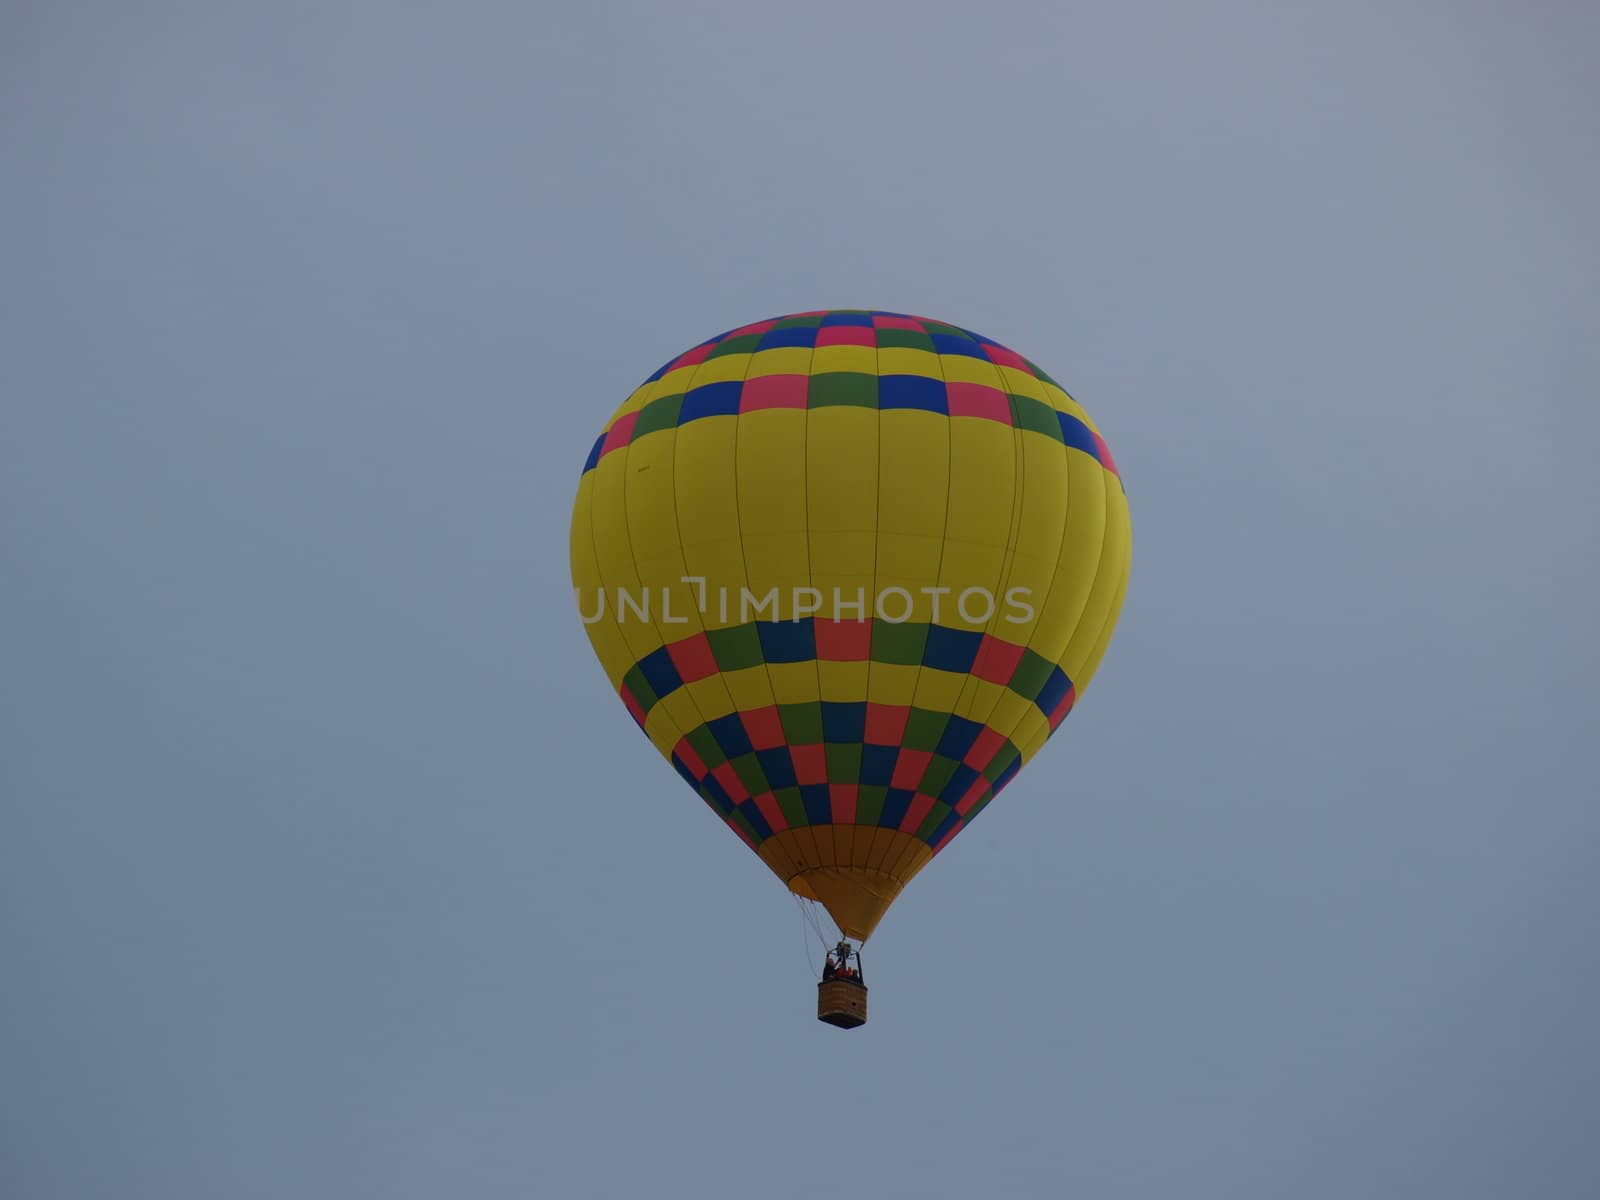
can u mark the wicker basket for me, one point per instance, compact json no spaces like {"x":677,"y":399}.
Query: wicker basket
{"x":842,"y":1002}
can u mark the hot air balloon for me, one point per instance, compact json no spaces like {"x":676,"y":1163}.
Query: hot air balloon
{"x":849,"y":570}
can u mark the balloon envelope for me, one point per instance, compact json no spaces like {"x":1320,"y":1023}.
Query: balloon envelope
{"x":849,"y":570}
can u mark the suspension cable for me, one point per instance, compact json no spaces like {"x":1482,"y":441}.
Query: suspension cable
{"x":812,"y":969}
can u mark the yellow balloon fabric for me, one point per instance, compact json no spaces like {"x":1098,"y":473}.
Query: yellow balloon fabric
{"x":849,"y":570}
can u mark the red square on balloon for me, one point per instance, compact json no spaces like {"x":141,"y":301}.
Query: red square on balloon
{"x":909,"y":768}
{"x":917,"y":813}
{"x":1063,"y":707}
{"x":731,"y":783}
{"x":764,"y":727}
{"x":1103,"y":453}
{"x":983,"y":749}
{"x":635,"y":709}
{"x":810,"y":764}
{"x":972,"y":795}
{"x":690,"y":759}
{"x":620,"y":433}
{"x":843,"y":641}
{"x":978,"y":400}
{"x":693,"y":658}
{"x":773,"y":391}
{"x":846,"y":335}
{"x":886,"y":723}
{"x":1004,"y":357}
{"x":690,"y":358}
{"x":768,"y":804}
{"x":997,"y":660}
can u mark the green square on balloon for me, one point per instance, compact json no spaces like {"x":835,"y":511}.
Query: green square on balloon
{"x":735,"y":647}
{"x":743,"y":822}
{"x":1032,"y":673}
{"x":900,"y":644}
{"x":853,"y":389}
{"x":924,"y":729}
{"x":706,"y":747}
{"x":743,"y":344}
{"x":933,"y":820}
{"x":637,"y":684}
{"x":659,"y":414}
{"x":939,"y":771}
{"x":748,"y":768}
{"x":844,"y":762}
{"x":802,"y":723}
{"x":793,"y":806}
{"x":869,"y":803}
{"x":1035,"y":415}
{"x":908,"y":339}
{"x":1006,"y":755}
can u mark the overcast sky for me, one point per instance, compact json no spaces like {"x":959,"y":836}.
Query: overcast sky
{"x":311,"y":877}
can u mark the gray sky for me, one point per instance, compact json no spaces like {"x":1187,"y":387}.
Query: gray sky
{"x":312,"y":885}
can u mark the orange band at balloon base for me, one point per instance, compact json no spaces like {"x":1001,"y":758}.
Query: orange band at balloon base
{"x":853,"y":871}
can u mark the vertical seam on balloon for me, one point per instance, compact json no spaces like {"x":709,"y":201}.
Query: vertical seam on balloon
{"x":766,"y":667}
{"x":633,"y":557}
{"x":1055,"y":570}
{"x":1100,"y":561}
{"x":627,"y":533}
{"x":1013,"y":534}
{"x":1008,"y":733}
{"x":805,"y":509}
{"x":872,"y":597}
{"x":1108,"y":622}
{"x":944,"y":533}
{"x":877,"y":540}
{"x":970,"y":688}
{"x":1106,"y":477}
{"x":834,"y":838}
{"x":1108,"y":627}
{"x":677,"y":525}
{"x":1061,"y":552}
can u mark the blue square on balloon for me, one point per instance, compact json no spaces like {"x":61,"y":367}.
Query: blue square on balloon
{"x":877,"y":764}
{"x":1053,"y":693}
{"x":912,"y":391}
{"x":959,"y":734}
{"x":777,"y":766}
{"x":951,"y":820}
{"x":951,"y":649}
{"x":796,"y":335}
{"x":895,"y":806}
{"x":682,"y":768}
{"x":960,"y":780}
{"x":787,"y":641}
{"x":1075,"y":433}
{"x":731,"y":735}
{"x":757,"y":821}
{"x":951,"y":343}
{"x":1008,"y":774}
{"x":711,"y":788}
{"x":660,"y":672}
{"x":719,"y":399}
{"x":844,"y":723}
